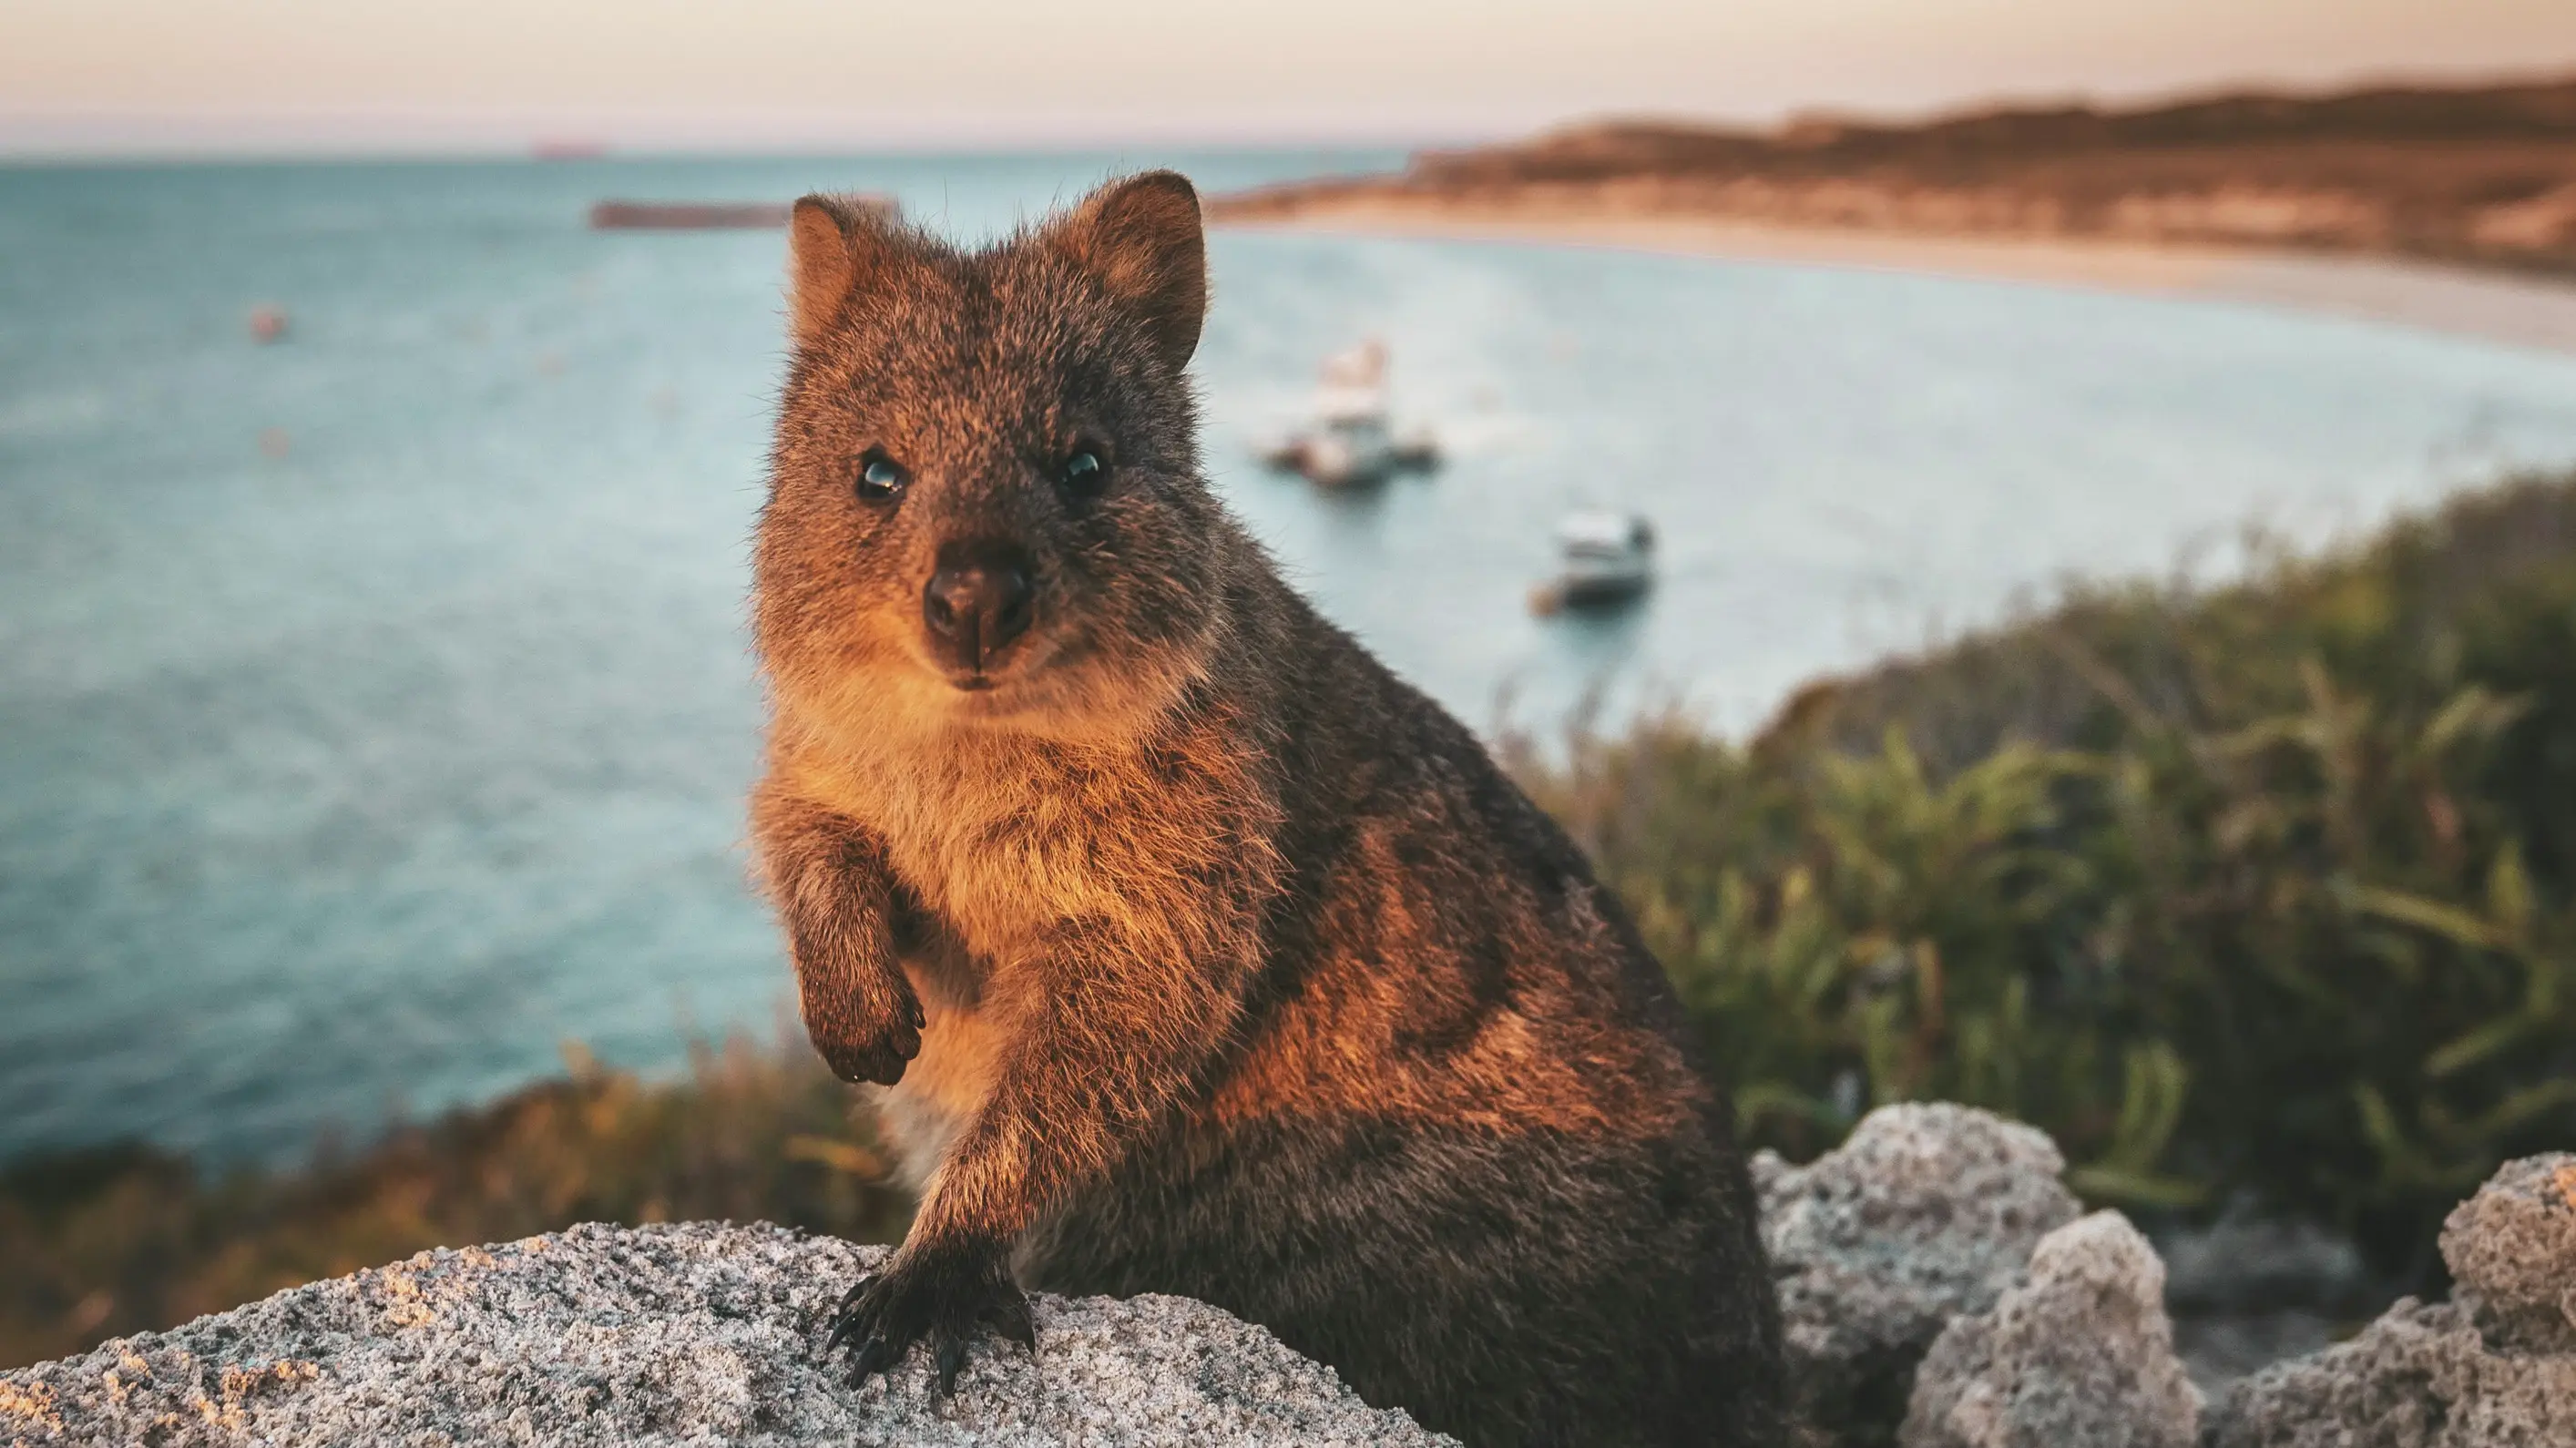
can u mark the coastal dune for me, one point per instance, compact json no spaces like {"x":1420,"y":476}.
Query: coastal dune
{"x":2450,"y":210}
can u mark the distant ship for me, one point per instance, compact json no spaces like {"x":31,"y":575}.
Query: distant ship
{"x":705,"y":215}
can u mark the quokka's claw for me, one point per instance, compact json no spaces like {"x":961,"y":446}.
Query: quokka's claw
{"x":1009,"y":1317}
{"x":948,"y":1353}
{"x":884,"y":1314}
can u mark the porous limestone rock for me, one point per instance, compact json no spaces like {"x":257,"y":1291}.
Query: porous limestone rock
{"x":696,"y":1334}
{"x":1927,"y":1211}
{"x":2493,"y":1368}
{"x":1934,"y":1227}
{"x":2512,"y":1251}
{"x":2078,"y":1355}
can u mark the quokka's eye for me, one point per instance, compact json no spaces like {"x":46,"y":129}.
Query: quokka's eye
{"x":880,"y":477}
{"x":1084,"y":472}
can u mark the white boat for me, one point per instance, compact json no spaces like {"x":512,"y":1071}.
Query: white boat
{"x":1350,"y":442}
{"x":1609,"y":559}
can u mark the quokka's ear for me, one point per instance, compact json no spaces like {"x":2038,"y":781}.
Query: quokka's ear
{"x":835,"y":245}
{"x":1141,"y":237}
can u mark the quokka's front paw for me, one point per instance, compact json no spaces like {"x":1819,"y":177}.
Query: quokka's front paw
{"x":870,"y":1046}
{"x":945,"y":1296}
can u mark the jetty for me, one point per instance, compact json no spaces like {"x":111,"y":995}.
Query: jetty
{"x":705,"y":215}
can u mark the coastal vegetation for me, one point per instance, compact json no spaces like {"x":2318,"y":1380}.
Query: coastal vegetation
{"x":120,"y":1239}
{"x":2483,"y":175}
{"x":2257,"y":895}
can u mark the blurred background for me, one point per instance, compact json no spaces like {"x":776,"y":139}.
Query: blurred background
{"x":2037,"y":546}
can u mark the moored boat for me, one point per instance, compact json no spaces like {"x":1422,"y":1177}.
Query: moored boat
{"x":1350,"y":442}
{"x":1609,"y":560}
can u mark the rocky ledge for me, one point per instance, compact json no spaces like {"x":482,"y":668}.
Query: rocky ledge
{"x":701,"y":1333}
{"x":1939,"y":1286}
{"x":2495,"y":1365}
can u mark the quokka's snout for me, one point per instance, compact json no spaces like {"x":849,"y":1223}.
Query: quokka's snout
{"x":980,"y":600}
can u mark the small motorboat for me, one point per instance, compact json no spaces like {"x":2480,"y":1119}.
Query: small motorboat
{"x":1609,"y":561}
{"x":1350,"y":442}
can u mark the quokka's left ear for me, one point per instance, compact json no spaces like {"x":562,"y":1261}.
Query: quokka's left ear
{"x":836,"y":245}
{"x":1141,"y":236}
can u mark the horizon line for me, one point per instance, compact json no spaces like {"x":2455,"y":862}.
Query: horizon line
{"x":79,"y":135}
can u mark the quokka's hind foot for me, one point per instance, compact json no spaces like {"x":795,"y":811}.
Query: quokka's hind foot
{"x":945,"y":1297}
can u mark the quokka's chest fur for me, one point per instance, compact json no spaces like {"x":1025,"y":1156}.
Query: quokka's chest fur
{"x":1007,"y":841}
{"x":1007,"y":845}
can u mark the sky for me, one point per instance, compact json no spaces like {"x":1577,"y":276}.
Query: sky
{"x":162,"y":76}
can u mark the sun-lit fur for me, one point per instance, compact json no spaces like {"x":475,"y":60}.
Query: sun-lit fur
{"x":1195,"y":951}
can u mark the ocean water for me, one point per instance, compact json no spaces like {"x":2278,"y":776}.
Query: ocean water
{"x":375,"y":706}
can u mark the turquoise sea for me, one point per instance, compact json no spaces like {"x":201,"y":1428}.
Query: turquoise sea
{"x":375,"y":705}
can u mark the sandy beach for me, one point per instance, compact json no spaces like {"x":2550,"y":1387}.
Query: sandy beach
{"x":2491,"y":306}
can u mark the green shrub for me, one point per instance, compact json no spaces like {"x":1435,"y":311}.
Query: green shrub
{"x":2257,"y":892}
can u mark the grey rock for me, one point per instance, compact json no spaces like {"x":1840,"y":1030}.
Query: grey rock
{"x":2494,"y":1368}
{"x":2219,"y":1349}
{"x":2247,"y":1291}
{"x":2079,"y":1355}
{"x":2512,"y":1251}
{"x":2422,"y":1376}
{"x":695,"y":1334}
{"x":2243,"y":1262}
{"x":1926,"y":1212}
{"x":1935,"y":1228}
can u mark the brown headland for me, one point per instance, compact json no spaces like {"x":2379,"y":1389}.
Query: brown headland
{"x":2450,"y":208}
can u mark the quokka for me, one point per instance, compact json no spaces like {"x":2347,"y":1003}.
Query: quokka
{"x":1194,"y":951}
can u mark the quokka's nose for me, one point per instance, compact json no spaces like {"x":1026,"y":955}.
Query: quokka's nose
{"x":979,"y":598}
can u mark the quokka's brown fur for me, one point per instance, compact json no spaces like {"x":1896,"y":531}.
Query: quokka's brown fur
{"x":1196,"y":952}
